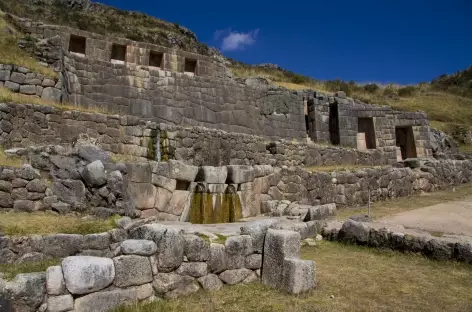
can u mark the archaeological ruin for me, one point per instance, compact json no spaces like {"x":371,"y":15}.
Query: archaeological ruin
{"x":215,"y":177}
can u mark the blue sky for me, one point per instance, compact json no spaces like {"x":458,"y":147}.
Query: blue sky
{"x":382,"y":41}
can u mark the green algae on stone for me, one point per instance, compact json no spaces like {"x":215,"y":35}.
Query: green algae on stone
{"x":196,"y":209}
{"x":207,"y":209}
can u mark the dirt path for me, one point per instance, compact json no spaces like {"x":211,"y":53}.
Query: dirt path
{"x":453,"y":217}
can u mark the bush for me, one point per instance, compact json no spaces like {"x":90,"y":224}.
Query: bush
{"x":389,"y":91}
{"x":406,"y":91}
{"x":371,"y":87}
{"x":339,"y":85}
{"x":298,"y":79}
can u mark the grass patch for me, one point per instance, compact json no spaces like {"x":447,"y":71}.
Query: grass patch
{"x":7,"y":96}
{"x":23,"y":223}
{"x":392,"y":207}
{"x":467,"y":149}
{"x":10,"y":161}
{"x":11,"y":270}
{"x":220,"y":240}
{"x":206,"y":238}
{"x":10,"y":53}
{"x":338,"y":168}
{"x":349,"y":278}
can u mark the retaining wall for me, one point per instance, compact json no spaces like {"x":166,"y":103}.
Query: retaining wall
{"x":162,"y":261}
{"x":23,"y":125}
{"x":452,"y":247}
{"x":22,"y":80}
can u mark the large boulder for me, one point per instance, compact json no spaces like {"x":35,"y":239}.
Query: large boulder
{"x":298,"y":276}
{"x":86,"y":274}
{"x":94,"y":174}
{"x":194,"y":269}
{"x":60,"y":303}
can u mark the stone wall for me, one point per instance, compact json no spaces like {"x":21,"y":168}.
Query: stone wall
{"x":27,"y":125}
{"x":352,"y":187}
{"x":22,"y":80}
{"x":157,"y":261}
{"x":384,"y":119}
{"x":378,"y":235}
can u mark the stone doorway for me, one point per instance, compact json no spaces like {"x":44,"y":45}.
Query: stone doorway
{"x":365,"y":134}
{"x":405,"y":142}
{"x":334,"y":124}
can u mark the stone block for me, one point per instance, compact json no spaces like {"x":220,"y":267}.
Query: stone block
{"x":132,"y":271}
{"x":178,"y":202}
{"x":144,"y":195}
{"x":94,"y":174}
{"x":55,"y":284}
{"x":86,"y":274}
{"x":320,"y":212}
{"x":105,"y":300}
{"x":4,"y":75}
{"x":210,"y":174}
{"x":257,"y":231}
{"x":210,"y":282}
{"x":12,"y":86}
{"x":96,"y":241}
{"x":194,"y":269}
{"x":232,"y":277}
{"x":60,"y":303}
{"x":139,"y":172}
{"x":139,"y":247}
{"x":196,"y":248}
{"x":163,"y":197}
{"x":355,"y":232}
{"x":253,"y":262}
{"x":181,"y":171}
{"x":298,"y":276}
{"x":240,"y":174}
{"x":279,"y":245}
{"x":17,"y":77}
{"x":51,"y":94}
{"x":164,"y":182}
{"x":218,"y":259}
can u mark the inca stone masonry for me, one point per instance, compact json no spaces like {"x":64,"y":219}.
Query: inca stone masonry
{"x":181,"y":88}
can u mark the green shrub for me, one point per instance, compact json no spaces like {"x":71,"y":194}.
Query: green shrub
{"x":406,"y":91}
{"x":371,"y":87}
{"x":389,"y":91}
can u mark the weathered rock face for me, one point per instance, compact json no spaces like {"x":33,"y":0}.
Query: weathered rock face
{"x":132,"y":270}
{"x":94,"y":174}
{"x":85,"y":274}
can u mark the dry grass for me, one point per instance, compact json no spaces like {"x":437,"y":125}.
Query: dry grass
{"x":7,"y":96}
{"x":23,"y":223}
{"x":312,"y":86}
{"x":10,"y":53}
{"x":339,"y":168}
{"x":349,"y":278}
{"x":9,"y":271}
{"x":439,"y":106}
{"x":465,"y":149}
{"x":10,"y":161}
{"x":388,"y":208}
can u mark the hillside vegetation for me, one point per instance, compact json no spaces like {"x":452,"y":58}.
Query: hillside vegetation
{"x":105,"y":20}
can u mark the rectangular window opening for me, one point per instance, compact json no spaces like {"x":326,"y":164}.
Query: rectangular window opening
{"x":118,"y":53}
{"x":77,"y":44}
{"x":190,"y":66}
{"x":365,"y":134}
{"x":155,"y":59}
